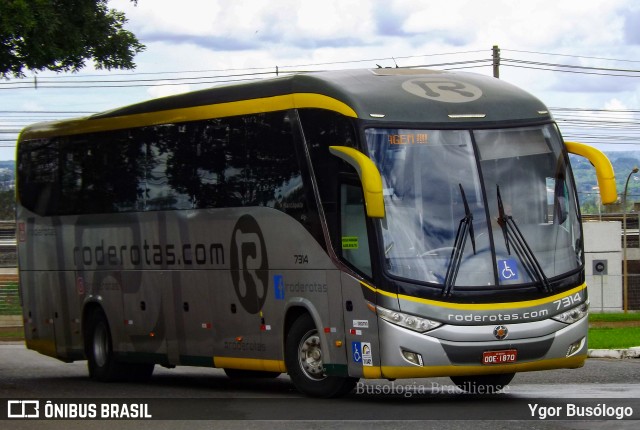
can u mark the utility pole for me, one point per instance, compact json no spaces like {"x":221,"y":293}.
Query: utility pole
{"x":496,"y":61}
{"x":625,"y":270}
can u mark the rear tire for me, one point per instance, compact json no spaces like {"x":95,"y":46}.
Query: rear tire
{"x":304,"y":361}
{"x":483,"y":384}
{"x":102,"y":363}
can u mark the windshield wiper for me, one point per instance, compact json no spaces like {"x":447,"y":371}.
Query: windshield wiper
{"x":513,"y":235}
{"x":465,"y":228}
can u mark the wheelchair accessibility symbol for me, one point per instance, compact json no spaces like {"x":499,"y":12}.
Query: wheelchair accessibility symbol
{"x":508,"y":270}
{"x":356,"y":352}
{"x":361,"y":353}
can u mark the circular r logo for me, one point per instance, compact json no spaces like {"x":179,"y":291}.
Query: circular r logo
{"x":442,"y":90}
{"x":249,"y":264}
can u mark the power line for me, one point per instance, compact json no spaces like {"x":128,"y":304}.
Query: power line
{"x":42,"y":82}
{"x":225,"y":76}
{"x":216,"y":76}
{"x":45,"y":112}
{"x":571,"y":109}
{"x":571,"y":55}
{"x":572,"y":71}
{"x":576,"y":68}
{"x":600,"y":126}
{"x":264,"y":68}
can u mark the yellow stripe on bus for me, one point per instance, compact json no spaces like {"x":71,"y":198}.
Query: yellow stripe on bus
{"x":220,"y":110}
{"x":404,"y":372}
{"x":250,"y":364}
{"x":371,"y":372}
{"x":480,"y":306}
{"x":43,"y":346}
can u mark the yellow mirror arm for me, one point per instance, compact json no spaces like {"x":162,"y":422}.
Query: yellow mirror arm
{"x":604,"y":170}
{"x":369,"y":177}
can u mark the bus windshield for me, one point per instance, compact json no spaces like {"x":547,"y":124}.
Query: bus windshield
{"x":477,"y":208}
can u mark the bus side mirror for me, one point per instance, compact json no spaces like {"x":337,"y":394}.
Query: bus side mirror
{"x":604,"y":170}
{"x":369,"y":177}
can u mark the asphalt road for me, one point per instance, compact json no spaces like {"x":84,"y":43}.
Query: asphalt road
{"x":205,"y":398}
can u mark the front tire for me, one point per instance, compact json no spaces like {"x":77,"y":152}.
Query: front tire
{"x":304,"y":361}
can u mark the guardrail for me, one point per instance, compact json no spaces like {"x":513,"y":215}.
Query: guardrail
{"x":8,"y":256}
{"x":10,"y":308}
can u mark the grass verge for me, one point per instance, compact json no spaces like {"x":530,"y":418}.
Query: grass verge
{"x":614,"y":317}
{"x":614,"y":338}
{"x":9,"y":299}
{"x":614,"y":330}
{"x":11,"y":333}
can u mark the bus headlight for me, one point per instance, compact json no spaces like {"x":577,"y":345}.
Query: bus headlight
{"x":411,"y":322}
{"x":574,"y":314}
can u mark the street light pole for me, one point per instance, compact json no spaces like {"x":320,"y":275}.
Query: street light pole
{"x":625,"y":280}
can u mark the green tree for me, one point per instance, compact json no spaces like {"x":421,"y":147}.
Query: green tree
{"x":60,"y":35}
{"x":7,"y":205}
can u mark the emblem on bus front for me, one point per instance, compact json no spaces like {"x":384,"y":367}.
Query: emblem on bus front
{"x":500,"y":332}
{"x":443,"y":90}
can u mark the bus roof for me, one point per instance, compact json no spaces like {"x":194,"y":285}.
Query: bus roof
{"x":403,"y":96}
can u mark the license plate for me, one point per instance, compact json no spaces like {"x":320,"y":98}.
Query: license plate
{"x":500,"y":357}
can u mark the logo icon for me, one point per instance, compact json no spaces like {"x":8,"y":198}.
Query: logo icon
{"x":508,"y":270}
{"x":443,"y":90}
{"x":361,"y":353}
{"x":356,"y":352}
{"x":23,"y":409}
{"x":500,"y":332}
{"x":22,"y":232}
{"x":367,"y":355}
{"x":249,"y":264}
{"x":278,"y":287}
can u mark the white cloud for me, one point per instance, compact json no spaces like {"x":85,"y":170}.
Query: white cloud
{"x":615,"y":104}
{"x":247,"y":24}
{"x":222,"y":35}
{"x":294,"y":28}
{"x":167,"y":89}
{"x":330,"y":18}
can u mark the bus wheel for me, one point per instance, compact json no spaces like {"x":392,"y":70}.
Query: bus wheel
{"x":304,"y":361}
{"x":249,"y":374}
{"x":102,"y":363}
{"x":483,"y":384}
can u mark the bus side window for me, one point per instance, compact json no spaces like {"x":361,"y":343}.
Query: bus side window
{"x":38,"y":179}
{"x":321,"y":129}
{"x":353,"y":222}
{"x":557,"y":197}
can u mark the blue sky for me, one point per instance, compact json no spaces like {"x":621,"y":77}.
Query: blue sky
{"x":192,"y":44}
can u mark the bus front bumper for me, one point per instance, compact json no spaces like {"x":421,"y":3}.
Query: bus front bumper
{"x":541,"y":345}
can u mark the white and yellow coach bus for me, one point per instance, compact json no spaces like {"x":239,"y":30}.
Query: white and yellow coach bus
{"x":390,"y":223}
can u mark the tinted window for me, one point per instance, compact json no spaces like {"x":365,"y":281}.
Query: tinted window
{"x":323,"y":129}
{"x":38,"y":175}
{"x":238,"y":161}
